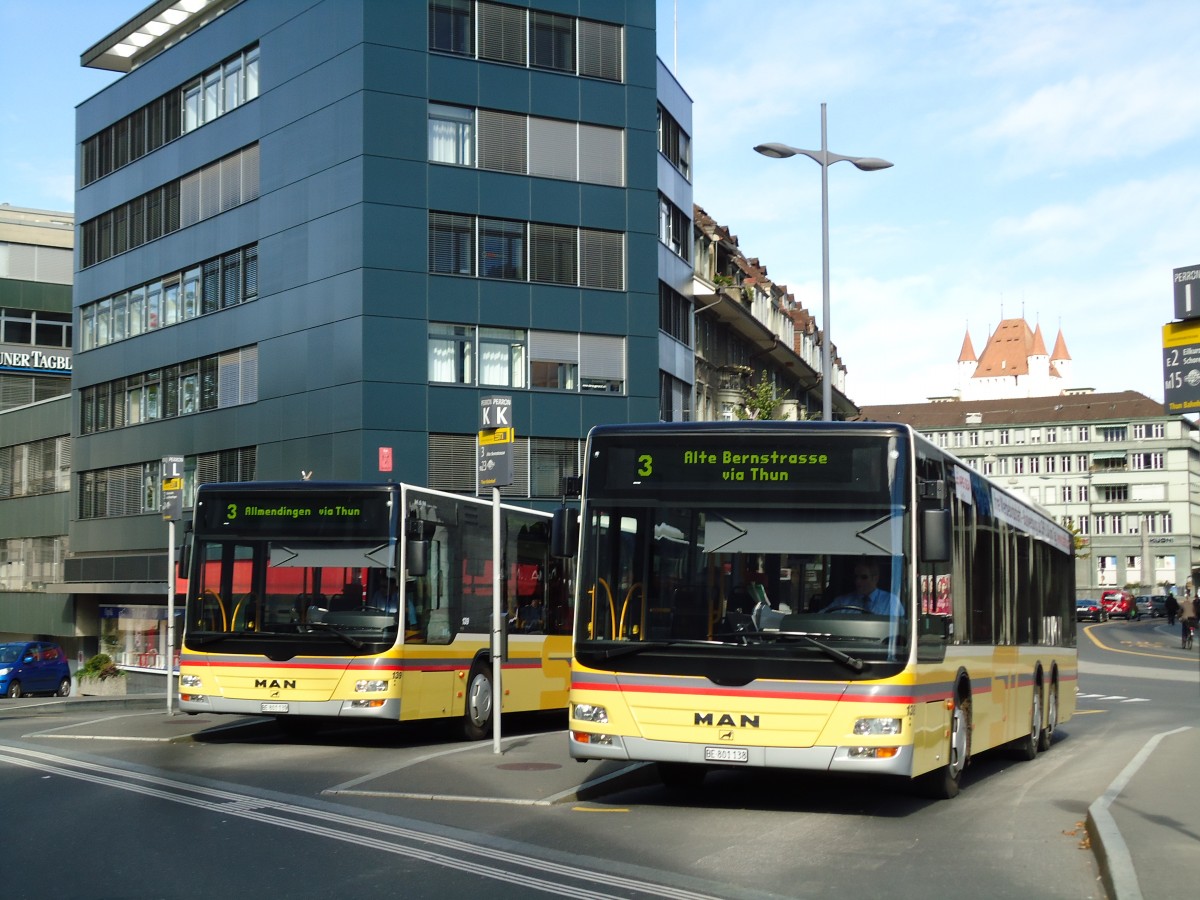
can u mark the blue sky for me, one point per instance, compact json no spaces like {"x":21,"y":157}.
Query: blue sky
{"x":1044,"y":151}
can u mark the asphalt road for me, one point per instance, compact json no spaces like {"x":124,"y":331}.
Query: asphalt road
{"x":110,"y":802}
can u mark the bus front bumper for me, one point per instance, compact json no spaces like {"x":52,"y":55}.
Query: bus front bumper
{"x":816,"y":759}
{"x":383,"y":710}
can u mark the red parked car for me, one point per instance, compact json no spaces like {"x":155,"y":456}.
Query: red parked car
{"x":1119,"y":604}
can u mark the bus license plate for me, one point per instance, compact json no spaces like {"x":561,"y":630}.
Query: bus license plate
{"x":726,"y":754}
{"x":274,"y":707}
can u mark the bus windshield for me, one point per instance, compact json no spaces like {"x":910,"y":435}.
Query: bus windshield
{"x":294,"y":587}
{"x":755,"y":551}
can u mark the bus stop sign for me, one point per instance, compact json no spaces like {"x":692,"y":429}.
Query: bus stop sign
{"x":496,"y":436}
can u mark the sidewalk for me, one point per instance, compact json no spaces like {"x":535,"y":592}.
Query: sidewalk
{"x":1145,"y":829}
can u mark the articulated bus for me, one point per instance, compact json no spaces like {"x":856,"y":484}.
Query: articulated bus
{"x":367,"y":601}
{"x":835,"y":597}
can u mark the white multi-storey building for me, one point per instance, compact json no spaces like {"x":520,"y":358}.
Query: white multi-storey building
{"x":1112,"y":467}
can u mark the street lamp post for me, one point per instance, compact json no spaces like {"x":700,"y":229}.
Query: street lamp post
{"x":824,"y":159}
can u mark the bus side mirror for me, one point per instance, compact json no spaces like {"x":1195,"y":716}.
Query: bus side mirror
{"x":416,"y":554}
{"x":185,"y":552}
{"x":564,"y":533}
{"x":935,"y":535}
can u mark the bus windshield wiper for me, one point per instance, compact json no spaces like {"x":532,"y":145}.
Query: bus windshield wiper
{"x":338,"y":633}
{"x":851,"y":662}
{"x":632,"y":648}
{"x":833,"y":653}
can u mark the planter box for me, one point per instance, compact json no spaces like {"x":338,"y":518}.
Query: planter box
{"x":102,"y":687}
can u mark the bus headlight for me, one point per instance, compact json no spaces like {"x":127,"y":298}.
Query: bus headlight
{"x":872,"y":752}
{"x":189,"y":681}
{"x":370,"y":686}
{"x":877,"y":726}
{"x":585,"y":712}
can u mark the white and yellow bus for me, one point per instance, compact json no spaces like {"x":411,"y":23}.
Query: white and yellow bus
{"x":308,"y":600}
{"x":836,"y":597}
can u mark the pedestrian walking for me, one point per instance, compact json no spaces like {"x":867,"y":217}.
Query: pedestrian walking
{"x":1172,"y":609}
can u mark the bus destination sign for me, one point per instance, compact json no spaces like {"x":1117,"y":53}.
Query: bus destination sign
{"x":298,"y":514}
{"x":745,"y":464}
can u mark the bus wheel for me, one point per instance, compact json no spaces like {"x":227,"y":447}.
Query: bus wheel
{"x":1026,"y":746}
{"x":943,"y":783}
{"x":681,"y":776}
{"x":477,"y":717}
{"x":1047,"y":733}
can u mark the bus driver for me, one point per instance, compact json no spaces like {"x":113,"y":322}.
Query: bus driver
{"x":867,"y":596}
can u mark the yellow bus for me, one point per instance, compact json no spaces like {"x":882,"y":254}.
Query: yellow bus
{"x":308,"y":600}
{"x":837,"y":597}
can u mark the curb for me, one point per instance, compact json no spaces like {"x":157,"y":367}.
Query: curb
{"x":1112,"y":853}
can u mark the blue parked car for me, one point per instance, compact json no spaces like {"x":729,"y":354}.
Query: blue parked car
{"x":33,"y":667}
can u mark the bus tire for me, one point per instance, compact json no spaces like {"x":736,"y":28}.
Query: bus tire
{"x":1025,"y":748}
{"x":1047,"y":733}
{"x":477,"y":711}
{"x":944,"y":783}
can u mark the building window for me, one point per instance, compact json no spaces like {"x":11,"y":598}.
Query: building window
{"x":674,"y":143}
{"x":1051,"y":435}
{"x":1143,"y":461}
{"x":451,"y":26}
{"x":1004,"y":435}
{"x":216,"y":92}
{"x":600,"y":52}
{"x":510,"y":142}
{"x":502,"y":249}
{"x":674,"y":227}
{"x":214,"y":284}
{"x":1113,"y":433}
{"x":451,"y":134}
{"x":228,"y":379}
{"x":196,"y":196}
{"x":675,"y":314}
{"x":553,"y":254}
{"x":503,"y":33}
{"x":601,"y":259}
{"x":1084,"y":434}
{"x":549,"y":360}
{"x":552,"y":41}
{"x":134,"y":489}
{"x":451,"y":244}
{"x":554,"y":360}
{"x":451,"y":353}
{"x":502,"y":357}
{"x":673,"y":396}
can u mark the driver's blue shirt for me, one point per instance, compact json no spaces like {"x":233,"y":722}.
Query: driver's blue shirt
{"x":879,"y":602}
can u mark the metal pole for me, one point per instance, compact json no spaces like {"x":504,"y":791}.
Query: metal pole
{"x":170,"y":615}
{"x":826,"y":342}
{"x":497,"y":621}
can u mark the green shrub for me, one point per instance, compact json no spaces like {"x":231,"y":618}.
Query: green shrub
{"x":100,"y":666}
